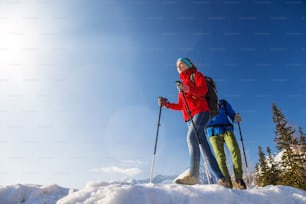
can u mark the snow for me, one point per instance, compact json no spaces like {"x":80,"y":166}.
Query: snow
{"x":31,"y":194}
{"x":146,"y":193}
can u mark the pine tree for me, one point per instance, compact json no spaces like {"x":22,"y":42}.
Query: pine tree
{"x":262,"y":169}
{"x":301,"y":157}
{"x":302,"y":142}
{"x":285,"y":141}
{"x":284,"y":132}
{"x":273,"y":171}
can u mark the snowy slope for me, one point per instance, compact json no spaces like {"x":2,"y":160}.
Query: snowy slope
{"x":31,"y":194}
{"x":128,"y":193}
{"x":123,"y":193}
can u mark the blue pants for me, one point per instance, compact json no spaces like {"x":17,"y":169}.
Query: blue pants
{"x":200,"y":121}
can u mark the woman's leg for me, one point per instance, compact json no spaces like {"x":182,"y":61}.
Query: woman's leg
{"x":200,"y":121}
{"x":194,"y":151}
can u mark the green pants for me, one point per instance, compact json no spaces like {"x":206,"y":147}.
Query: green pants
{"x":229,"y":139}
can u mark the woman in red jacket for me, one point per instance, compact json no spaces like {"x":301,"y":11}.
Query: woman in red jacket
{"x":194,"y":91}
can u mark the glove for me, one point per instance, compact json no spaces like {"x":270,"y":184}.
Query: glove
{"x":237,"y":118}
{"x":182,"y":87}
{"x":163,"y":101}
{"x":179,"y":86}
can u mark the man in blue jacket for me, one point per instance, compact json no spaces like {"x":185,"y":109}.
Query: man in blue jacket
{"x":220,"y":130}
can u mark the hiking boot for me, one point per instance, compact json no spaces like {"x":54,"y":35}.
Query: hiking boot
{"x":224,"y":183}
{"x":188,"y":180}
{"x":239,"y":184}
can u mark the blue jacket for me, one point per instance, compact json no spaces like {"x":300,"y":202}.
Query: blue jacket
{"x":221,"y":123}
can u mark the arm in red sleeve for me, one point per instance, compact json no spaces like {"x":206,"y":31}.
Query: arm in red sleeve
{"x":176,"y":106}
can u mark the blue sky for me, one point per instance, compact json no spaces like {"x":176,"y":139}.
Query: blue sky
{"x":80,"y":79}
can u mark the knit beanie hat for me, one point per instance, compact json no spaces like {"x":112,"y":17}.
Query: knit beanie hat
{"x":186,"y":61}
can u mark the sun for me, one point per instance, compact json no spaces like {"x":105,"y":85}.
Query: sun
{"x":15,"y":39}
{"x":18,"y":47}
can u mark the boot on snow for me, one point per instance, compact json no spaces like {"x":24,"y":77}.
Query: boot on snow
{"x":188,"y":180}
{"x":239,"y":184}
{"x":224,"y":183}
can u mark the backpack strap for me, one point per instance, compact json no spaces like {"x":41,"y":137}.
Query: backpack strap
{"x":222,"y":104}
{"x":192,"y":78}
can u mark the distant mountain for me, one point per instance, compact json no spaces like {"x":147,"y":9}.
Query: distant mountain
{"x":168,"y":179}
{"x":158,"y":179}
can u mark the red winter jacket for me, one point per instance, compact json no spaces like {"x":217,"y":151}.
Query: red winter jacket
{"x":195,"y":98}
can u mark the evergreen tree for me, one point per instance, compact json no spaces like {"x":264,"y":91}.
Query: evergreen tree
{"x":262,"y":169}
{"x":273,"y":171}
{"x":302,"y":142}
{"x":284,"y":133}
{"x":285,"y":140}
{"x":300,"y":158}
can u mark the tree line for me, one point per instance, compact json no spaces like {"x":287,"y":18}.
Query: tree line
{"x":290,"y":170}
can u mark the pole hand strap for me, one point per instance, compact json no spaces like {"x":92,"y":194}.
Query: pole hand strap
{"x":179,"y":86}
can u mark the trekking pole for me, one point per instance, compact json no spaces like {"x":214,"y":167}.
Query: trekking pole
{"x":208,"y":176}
{"x":241,"y":139}
{"x":155,"y":146}
{"x":244,"y":155}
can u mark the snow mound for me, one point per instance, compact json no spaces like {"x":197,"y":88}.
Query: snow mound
{"x":125,"y":193}
{"x":31,"y":194}
{"x":146,"y":193}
